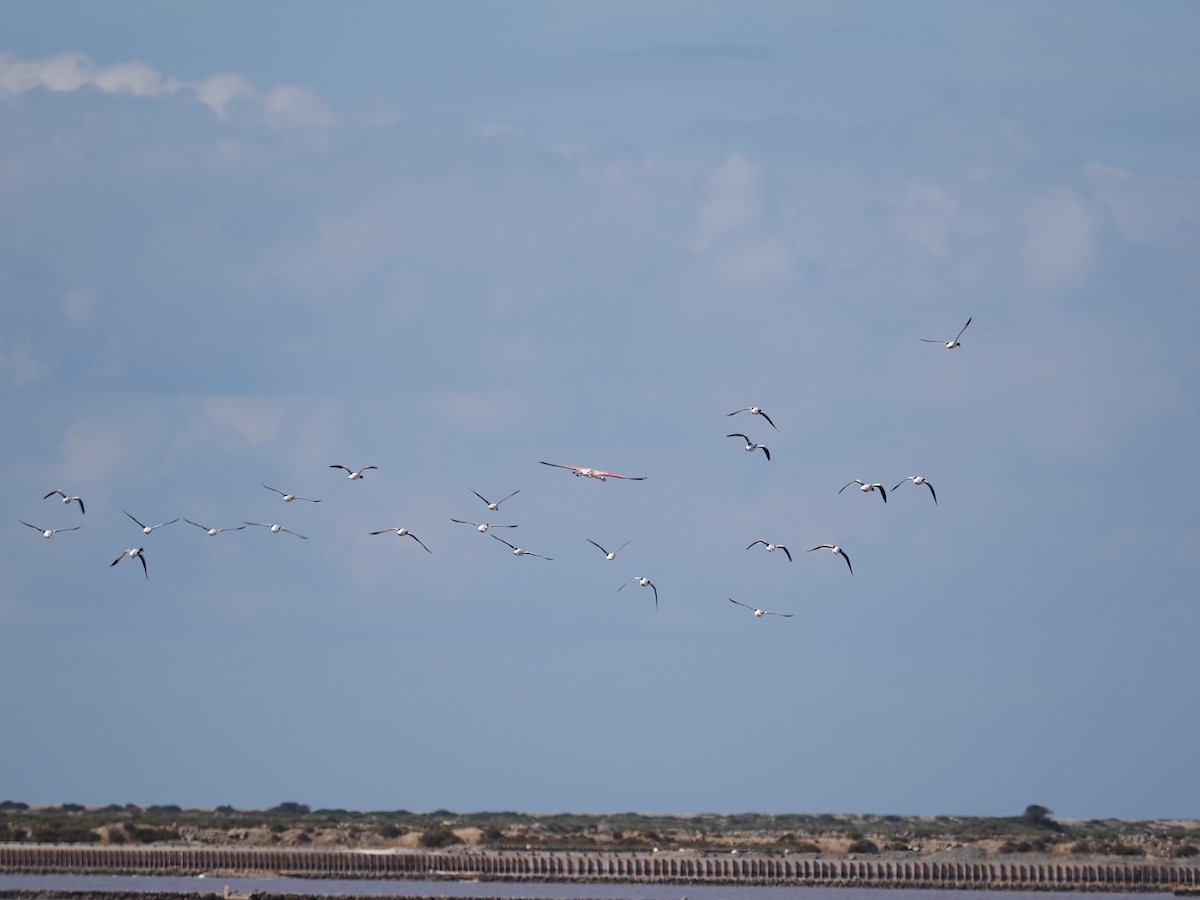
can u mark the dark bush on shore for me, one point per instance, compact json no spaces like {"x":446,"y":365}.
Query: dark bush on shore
{"x":439,"y":837}
{"x":863,"y":845}
{"x":1126,"y":850}
{"x":149,"y":834}
{"x":62,"y":833}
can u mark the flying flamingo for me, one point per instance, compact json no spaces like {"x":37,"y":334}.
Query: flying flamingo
{"x":759,"y":613}
{"x":67,"y":499}
{"x":133,"y":553}
{"x":518,"y":551}
{"x":48,"y":532}
{"x":610,"y":555}
{"x":754,"y":411}
{"x":213,"y":532}
{"x":771,"y":548}
{"x":146,"y":529}
{"x":751,"y":447}
{"x":481,"y":527}
{"x":594,"y":473}
{"x":275,"y":529}
{"x":919,"y":480}
{"x":950,"y":345}
{"x":403,"y":532}
{"x":644,"y":582}
{"x":836,"y":549}
{"x":493,"y":506}
{"x":288,"y":498}
{"x":867,"y":488}
{"x":355,"y":474}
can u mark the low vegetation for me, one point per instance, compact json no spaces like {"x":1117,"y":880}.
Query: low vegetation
{"x":296,"y":824}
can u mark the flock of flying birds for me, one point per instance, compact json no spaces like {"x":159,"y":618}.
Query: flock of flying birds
{"x":139,"y":553}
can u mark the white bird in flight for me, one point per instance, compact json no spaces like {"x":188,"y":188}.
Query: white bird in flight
{"x":918,"y":480}
{"x":594,"y":473}
{"x":771,"y":548}
{"x":610,"y":555}
{"x":288,"y":498}
{"x":213,"y":532}
{"x":48,"y":532}
{"x":751,"y":446}
{"x":518,"y":551}
{"x":836,"y":549}
{"x":354,"y":474}
{"x":133,"y":553}
{"x":403,"y":532}
{"x":754,"y":411}
{"x":644,"y":582}
{"x":759,"y":613}
{"x":146,"y":529}
{"x":950,"y":345}
{"x":493,"y":506}
{"x":866,"y":488}
{"x":275,"y":529}
{"x":481,"y":527}
{"x":67,"y":499}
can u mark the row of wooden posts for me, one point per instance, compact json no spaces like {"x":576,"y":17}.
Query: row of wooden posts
{"x":602,"y":867}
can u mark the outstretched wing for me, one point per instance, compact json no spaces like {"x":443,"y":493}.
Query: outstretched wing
{"x":625,"y":477}
{"x":964,"y":328}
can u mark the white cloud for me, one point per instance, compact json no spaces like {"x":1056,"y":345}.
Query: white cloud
{"x":757,"y":265}
{"x":96,"y":448}
{"x":296,"y":106}
{"x":19,"y":363}
{"x":732,"y":202}
{"x":257,"y":421}
{"x":77,"y":305}
{"x":1145,"y":209}
{"x":483,"y":413}
{"x":1057,"y":249}
{"x":217,"y":92}
{"x":282,"y":106}
{"x":73,"y":71}
{"x":926,"y":215}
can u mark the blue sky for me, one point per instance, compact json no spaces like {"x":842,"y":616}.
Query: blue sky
{"x":240,"y":243}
